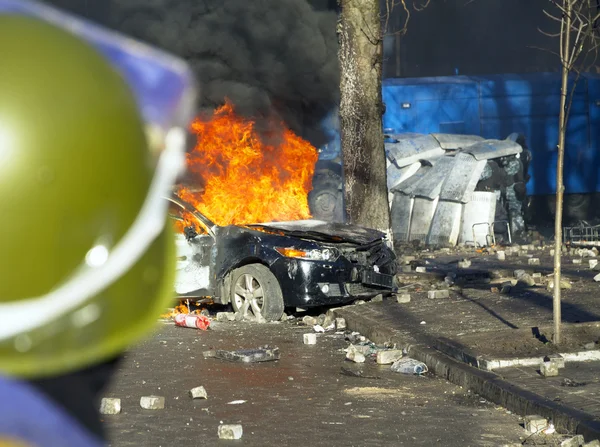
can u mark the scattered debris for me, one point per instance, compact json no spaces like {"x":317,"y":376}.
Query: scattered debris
{"x":340,"y":323}
{"x":310,"y":339}
{"x":236,"y":402}
{"x":571,"y":383}
{"x":198,"y":393}
{"x":230,"y":431}
{"x":533,"y":261}
{"x":549,"y":369}
{"x":263,"y":354}
{"x":225,"y":316}
{"x":433,"y":294}
{"x":403,"y":298}
{"x":387,"y":357}
{"x":407,"y":365}
{"x":152,"y":402}
{"x":355,"y":355}
{"x":535,"y":423}
{"x":110,"y":405}
{"x":194,"y":321}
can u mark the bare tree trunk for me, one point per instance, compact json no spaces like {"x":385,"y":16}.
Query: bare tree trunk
{"x":361,"y":54}
{"x":565,"y":48}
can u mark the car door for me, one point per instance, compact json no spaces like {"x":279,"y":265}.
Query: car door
{"x":195,"y":247}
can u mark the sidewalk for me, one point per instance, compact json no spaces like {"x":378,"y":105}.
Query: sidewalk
{"x":469,"y":336}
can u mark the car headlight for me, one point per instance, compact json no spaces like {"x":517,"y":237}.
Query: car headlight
{"x":326,"y":254}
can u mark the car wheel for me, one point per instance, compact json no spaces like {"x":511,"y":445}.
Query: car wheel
{"x":255,"y":293}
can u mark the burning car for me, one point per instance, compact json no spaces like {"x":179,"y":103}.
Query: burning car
{"x":262,"y":268}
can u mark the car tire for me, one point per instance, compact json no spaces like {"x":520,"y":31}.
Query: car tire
{"x":256,"y":293}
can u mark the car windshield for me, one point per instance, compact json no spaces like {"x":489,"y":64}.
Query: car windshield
{"x":185,"y":216}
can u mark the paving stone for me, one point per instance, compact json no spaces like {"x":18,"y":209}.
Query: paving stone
{"x":597,"y":277}
{"x":310,"y":339}
{"x":438,"y":294}
{"x":198,"y":393}
{"x":340,"y":323}
{"x":421,"y":270}
{"x":388,"y":357}
{"x":534,"y":423}
{"x":403,"y":298}
{"x":152,"y":402}
{"x":549,"y":369}
{"x":533,"y":261}
{"x":593,"y":263}
{"x":576,"y":261}
{"x":110,"y":405}
{"x":228,"y":431}
{"x":354,"y":355}
{"x":558,"y":359}
{"x":501,"y":255}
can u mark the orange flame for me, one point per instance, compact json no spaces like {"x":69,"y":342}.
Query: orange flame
{"x":245,"y":177}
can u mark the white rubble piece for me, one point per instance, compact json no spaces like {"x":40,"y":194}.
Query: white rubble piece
{"x":533,"y":261}
{"x":389,"y":356}
{"x":310,"y":339}
{"x":340,"y":323}
{"x":355,"y":355}
{"x":464,"y":264}
{"x":434,"y":294}
{"x":558,"y":359}
{"x":576,"y":261}
{"x":534,"y":423}
{"x":318,"y":328}
{"x":403,"y":298}
{"x":549,"y":369}
{"x":524,"y":277}
{"x":501,"y":255}
{"x":225,"y":316}
{"x":593,"y":263}
{"x":152,"y":402}
{"x":230,"y":431}
{"x":407,"y":259}
{"x":198,"y":393}
{"x":110,"y":405}
{"x":421,"y":270}
{"x":597,"y":277}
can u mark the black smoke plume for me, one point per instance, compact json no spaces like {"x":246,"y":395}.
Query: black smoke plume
{"x":266,"y":56}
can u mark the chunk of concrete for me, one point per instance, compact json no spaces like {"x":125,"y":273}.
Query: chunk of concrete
{"x":501,"y":255}
{"x":535,"y":423}
{"x":524,"y":278}
{"x":597,"y":277}
{"x":310,"y":339}
{"x":433,"y":294}
{"x":407,"y":259}
{"x":576,"y":261}
{"x":464,"y":264}
{"x":230,"y":431}
{"x":388,"y":357}
{"x":309,"y":321}
{"x":533,"y":261}
{"x":152,"y":402}
{"x":593,"y":263}
{"x":406,"y":269}
{"x":110,"y":405}
{"x":354,"y":355}
{"x":403,"y":298}
{"x":421,"y":269}
{"x":340,"y":323}
{"x":225,"y":316}
{"x":549,"y":369}
{"x":558,"y":359}
{"x":198,"y":393}
{"x":575,"y":441}
{"x":594,"y":443}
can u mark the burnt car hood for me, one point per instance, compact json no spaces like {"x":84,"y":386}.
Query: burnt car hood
{"x":325,"y":231}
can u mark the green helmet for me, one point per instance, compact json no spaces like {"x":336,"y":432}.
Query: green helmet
{"x":87,"y":261}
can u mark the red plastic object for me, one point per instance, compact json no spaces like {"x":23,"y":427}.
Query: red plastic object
{"x":194,"y":321}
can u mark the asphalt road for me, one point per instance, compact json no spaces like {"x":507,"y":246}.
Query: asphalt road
{"x":302,"y":399}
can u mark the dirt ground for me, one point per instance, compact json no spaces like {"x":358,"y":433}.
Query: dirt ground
{"x":302,"y":399}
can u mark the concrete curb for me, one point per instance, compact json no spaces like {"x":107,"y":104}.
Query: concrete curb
{"x":487,"y":384}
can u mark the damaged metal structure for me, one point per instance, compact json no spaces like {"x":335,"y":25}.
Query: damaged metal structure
{"x":447,"y":189}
